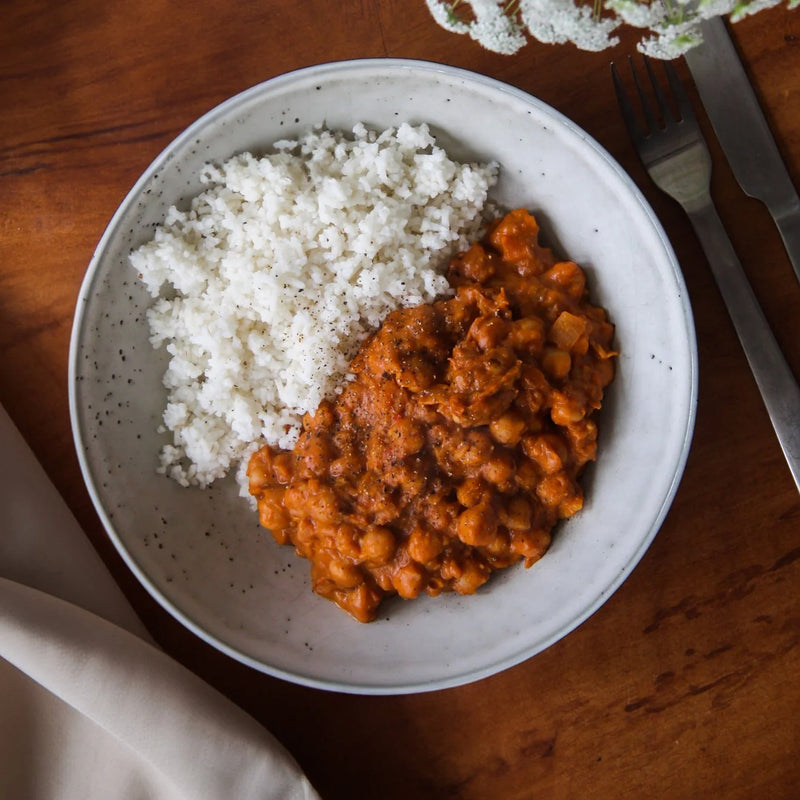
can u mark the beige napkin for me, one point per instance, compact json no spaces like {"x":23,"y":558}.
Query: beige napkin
{"x":89,"y":709}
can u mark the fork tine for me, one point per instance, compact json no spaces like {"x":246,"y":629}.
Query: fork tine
{"x":625,"y":107}
{"x":647,"y":108}
{"x":678,"y":92}
{"x":663,"y":105}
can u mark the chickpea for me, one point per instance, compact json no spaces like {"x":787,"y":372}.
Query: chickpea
{"x":294,"y":498}
{"x":383,"y":577}
{"x":532,"y":544}
{"x":499,"y":555}
{"x":581,"y":347}
{"x":565,"y":409}
{"x":271,"y":512}
{"x":535,"y":390}
{"x":556,"y":363}
{"x":471,"y":491}
{"x":475,"y":264}
{"x":408,"y":438}
{"x":547,"y":450}
{"x":406,"y":478}
{"x":258,"y":469}
{"x":424,"y":546}
{"x":527,"y":334}
{"x":570,"y":505}
{"x":346,"y":540}
{"x":438,"y":436}
{"x":450,"y":570}
{"x":426,"y":415}
{"x":568,"y":276}
{"x":435,"y":586}
{"x":583,"y":441}
{"x":477,"y":525}
{"x":499,"y":469}
{"x":316,"y":455}
{"x":508,"y":428}
{"x":344,"y":574}
{"x":314,"y":498}
{"x":474,"y":575}
{"x":517,"y":513}
{"x":377,"y":545}
{"x":281,"y":536}
{"x":282,"y":468}
{"x":324,"y":585}
{"x":414,"y":371}
{"x":604,"y":372}
{"x":497,"y":545}
{"x":533,"y":421}
{"x":553,"y":489}
{"x":527,"y":476}
{"x":321,"y":419}
{"x":376,"y":500}
{"x":488,"y":332}
{"x":361,"y":602}
{"x":375,"y":455}
{"x":345,"y":465}
{"x":409,"y":580}
{"x":304,"y":539}
{"x":440,"y":513}
{"x":473,"y":450}
{"x":514,"y":246}
{"x":257,"y":476}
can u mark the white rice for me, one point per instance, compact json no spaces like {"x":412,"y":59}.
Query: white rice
{"x":268,"y":284}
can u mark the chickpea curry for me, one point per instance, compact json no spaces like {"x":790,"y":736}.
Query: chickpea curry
{"x":458,"y":445}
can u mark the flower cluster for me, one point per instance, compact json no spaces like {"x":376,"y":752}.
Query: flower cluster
{"x":670,"y":27}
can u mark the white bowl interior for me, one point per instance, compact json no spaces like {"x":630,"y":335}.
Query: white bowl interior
{"x":201,"y":552}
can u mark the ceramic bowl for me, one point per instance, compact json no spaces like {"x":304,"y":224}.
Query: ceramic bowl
{"x":201,"y":554}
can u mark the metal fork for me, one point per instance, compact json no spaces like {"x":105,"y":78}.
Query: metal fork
{"x":675,"y":154}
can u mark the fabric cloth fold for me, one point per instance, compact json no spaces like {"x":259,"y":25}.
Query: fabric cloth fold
{"x":41,"y":543}
{"x":168,"y":730}
{"x":90,"y":709}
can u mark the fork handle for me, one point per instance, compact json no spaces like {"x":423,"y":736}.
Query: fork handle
{"x":778,"y":387}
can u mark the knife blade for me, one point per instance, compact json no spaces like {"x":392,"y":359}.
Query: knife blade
{"x":743,"y":132}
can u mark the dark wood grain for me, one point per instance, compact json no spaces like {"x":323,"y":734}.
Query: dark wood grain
{"x":685,"y":683}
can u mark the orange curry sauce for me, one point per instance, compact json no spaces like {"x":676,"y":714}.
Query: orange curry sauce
{"x":458,"y":445}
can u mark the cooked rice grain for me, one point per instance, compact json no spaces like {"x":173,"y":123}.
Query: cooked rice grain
{"x":268,"y":284}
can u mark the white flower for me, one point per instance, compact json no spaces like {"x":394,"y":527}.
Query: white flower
{"x":491,"y":26}
{"x":556,"y":21}
{"x":670,"y":27}
{"x":671,"y":42}
{"x":445,"y":17}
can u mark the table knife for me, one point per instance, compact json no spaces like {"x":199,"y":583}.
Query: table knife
{"x":743,"y":132}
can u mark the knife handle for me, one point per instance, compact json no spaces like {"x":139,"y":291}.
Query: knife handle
{"x":777,"y":384}
{"x":788,"y":224}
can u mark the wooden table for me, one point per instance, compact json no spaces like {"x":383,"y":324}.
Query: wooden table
{"x":685,"y":683}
